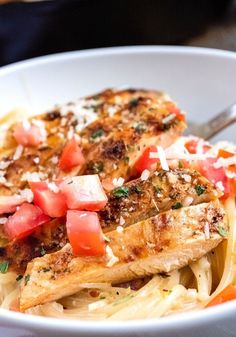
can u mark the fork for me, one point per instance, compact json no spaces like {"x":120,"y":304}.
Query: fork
{"x":212,"y":127}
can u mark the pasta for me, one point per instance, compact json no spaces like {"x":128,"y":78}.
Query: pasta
{"x":188,"y":288}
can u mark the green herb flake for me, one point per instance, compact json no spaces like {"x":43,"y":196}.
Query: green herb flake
{"x":45,"y":270}
{"x":96,"y":167}
{"x":134,"y":102}
{"x":126,"y":160}
{"x":121,"y":192}
{"x":27,"y":278}
{"x":222,"y":232}
{"x":140,"y":127}
{"x":199,"y":189}
{"x":177,"y":205}
{"x":42,"y":251}
{"x":97,"y":134}
{"x":138,"y":189}
{"x":19,"y":277}
{"x":4,"y":267}
{"x":158,"y":189}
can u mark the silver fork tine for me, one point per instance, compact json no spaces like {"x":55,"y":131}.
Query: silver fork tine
{"x":210,"y":128}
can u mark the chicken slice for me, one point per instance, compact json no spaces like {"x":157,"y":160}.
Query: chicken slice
{"x":160,"y":192}
{"x":59,"y":125}
{"x":162,"y":243}
{"x":140,"y":199}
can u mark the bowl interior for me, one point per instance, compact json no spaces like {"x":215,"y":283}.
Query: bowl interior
{"x":202,"y":82}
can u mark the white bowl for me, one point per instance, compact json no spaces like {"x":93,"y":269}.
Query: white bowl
{"x":202,"y":81}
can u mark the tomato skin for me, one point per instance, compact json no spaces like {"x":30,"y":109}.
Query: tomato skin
{"x":215,"y":175}
{"x":144,"y":162}
{"x":84,"y":193}
{"x":71,"y":156}
{"x":227,"y":294}
{"x":8,"y":203}
{"x":27,"y":137}
{"x":24,"y":221}
{"x":51,"y":203}
{"x":85,"y":233}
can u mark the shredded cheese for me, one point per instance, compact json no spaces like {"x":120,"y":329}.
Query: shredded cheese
{"x":145,"y":175}
{"x":18,"y":152}
{"x":117,"y":182}
{"x":162,"y":158}
{"x":168,"y":118}
{"x":112,"y":259}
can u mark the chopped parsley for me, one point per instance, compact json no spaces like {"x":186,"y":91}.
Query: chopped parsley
{"x":120,"y":192}
{"x":95,"y":167}
{"x":138,"y":189}
{"x":177,"y":205}
{"x":19,"y":277}
{"x":222,"y":232}
{"x":134,"y":102}
{"x":42,"y":251}
{"x":126,"y":160}
{"x":97,"y":134}
{"x":140,"y":127}
{"x":199,"y":189}
{"x":4,"y":267}
{"x":45,"y":270}
{"x":27,"y":278}
{"x":158,"y":189}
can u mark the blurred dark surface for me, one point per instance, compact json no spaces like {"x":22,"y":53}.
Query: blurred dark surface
{"x":32,"y":29}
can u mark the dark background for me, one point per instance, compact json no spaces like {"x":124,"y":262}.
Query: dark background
{"x":32,"y":29}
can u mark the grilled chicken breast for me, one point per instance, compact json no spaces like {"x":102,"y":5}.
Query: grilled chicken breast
{"x":162,"y":243}
{"x":106,"y":148}
{"x":162,"y":191}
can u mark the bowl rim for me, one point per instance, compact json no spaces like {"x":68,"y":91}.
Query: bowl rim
{"x":170,"y":323}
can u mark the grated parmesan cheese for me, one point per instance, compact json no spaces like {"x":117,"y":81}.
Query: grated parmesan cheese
{"x":32,"y":176}
{"x":36,"y":160}
{"x":27,"y":194}
{"x":117,"y":182}
{"x":168,"y":118}
{"x":53,"y":187}
{"x":122,"y":221}
{"x":54,"y":160}
{"x":220,"y":186}
{"x":119,"y":229}
{"x":145,"y":175}
{"x":162,"y":158}
{"x":224,"y":162}
{"x":4,"y":164}
{"x":112,"y":259}
{"x":18,"y":152}
{"x":207,"y":230}
{"x":3,"y":221}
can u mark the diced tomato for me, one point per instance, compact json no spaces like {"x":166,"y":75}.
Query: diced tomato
{"x":192,"y":145}
{"x":85,"y":233}
{"x":71,"y":156}
{"x":28,"y":136}
{"x":145,"y":162}
{"x":84,"y":193}
{"x":228,"y":294}
{"x":24,"y":221}
{"x":232,"y":168}
{"x":215,"y":175}
{"x":8,"y":203}
{"x":225,"y":154}
{"x":51,"y":203}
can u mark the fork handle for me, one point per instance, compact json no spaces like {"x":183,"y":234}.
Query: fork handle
{"x":220,"y":122}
